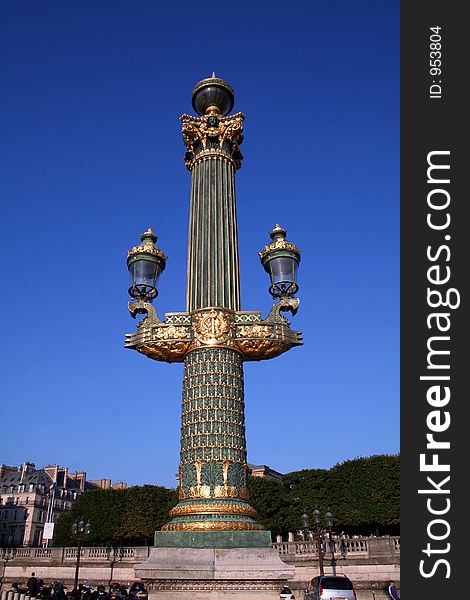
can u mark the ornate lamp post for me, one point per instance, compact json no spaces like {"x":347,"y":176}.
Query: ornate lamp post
{"x":305,"y":524}
{"x":319,"y":536}
{"x":329,"y":525}
{"x":79,"y":530}
{"x":6,"y":554}
{"x":113,"y":554}
{"x":343,"y":547}
{"x":213,"y":337}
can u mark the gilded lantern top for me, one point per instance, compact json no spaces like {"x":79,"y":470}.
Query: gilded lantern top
{"x":279,"y":242}
{"x":148,"y":239}
{"x":213,"y":95}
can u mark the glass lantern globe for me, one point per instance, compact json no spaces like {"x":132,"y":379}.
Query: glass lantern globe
{"x":145,"y":263}
{"x":280,"y":260}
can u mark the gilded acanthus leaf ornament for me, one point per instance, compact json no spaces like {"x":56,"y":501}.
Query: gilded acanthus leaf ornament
{"x":213,"y":135}
{"x":211,"y":126}
{"x":171,"y":332}
{"x":256,"y":330}
{"x":165,"y":351}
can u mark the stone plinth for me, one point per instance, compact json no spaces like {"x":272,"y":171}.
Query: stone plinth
{"x":215,"y":573}
{"x":213,"y":539}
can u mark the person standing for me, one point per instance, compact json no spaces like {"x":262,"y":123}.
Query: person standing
{"x":32,"y":584}
{"x":392,"y":591}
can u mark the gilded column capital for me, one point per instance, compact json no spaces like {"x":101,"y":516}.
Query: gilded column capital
{"x":212,"y":135}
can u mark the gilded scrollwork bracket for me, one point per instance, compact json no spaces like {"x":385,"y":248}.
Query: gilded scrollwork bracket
{"x":167,"y":340}
{"x":141,"y":307}
{"x":260,"y":339}
{"x":283,"y":305}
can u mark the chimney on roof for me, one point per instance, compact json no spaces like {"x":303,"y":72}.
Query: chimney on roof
{"x":26,"y":468}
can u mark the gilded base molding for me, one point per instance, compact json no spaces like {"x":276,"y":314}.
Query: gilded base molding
{"x":212,"y":526}
{"x":235,"y":508}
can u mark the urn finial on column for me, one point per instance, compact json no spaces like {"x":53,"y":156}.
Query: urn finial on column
{"x":213,"y":95}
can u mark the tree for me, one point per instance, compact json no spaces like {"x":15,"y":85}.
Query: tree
{"x":145,"y":512}
{"x":363,"y":494}
{"x":266,"y":496}
{"x":128,"y":516}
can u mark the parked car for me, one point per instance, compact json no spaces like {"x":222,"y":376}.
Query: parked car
{"x":330,"y":587}
{"x":286,"y":594}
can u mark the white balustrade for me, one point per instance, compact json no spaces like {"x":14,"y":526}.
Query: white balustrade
{"x":355,"y":547}
{"x":42,"y":552}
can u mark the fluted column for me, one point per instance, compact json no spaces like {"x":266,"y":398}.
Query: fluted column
{"x":213,"y":156}
{"x":213,"y":469}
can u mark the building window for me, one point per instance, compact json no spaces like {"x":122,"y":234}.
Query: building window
{"x":37,"y":537}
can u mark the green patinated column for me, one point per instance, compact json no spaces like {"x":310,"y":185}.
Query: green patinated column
{"x":213,"y":271}
{"x":213,"y":469}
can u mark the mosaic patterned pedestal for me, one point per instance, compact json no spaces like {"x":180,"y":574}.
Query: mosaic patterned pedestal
{"x":213,"y":573}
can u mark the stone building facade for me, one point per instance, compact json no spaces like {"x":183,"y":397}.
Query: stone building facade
{"x":263,"y":471}
{"x":31,"y":497}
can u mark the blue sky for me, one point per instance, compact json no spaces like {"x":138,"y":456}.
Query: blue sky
{"x":92,"y":155}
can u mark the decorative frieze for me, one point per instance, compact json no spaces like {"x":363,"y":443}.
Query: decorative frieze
{"x":160,"y":585}
{"x":181,"y":333}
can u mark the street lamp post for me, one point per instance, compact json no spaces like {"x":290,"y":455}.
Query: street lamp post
{"x":214,"y":337}
{"x":343,"y":547}
{"x":6,"y":555}
{"x":113,"y":554}
{"x":79,"y":530}
{"x":319,"y":536}
{"x":305,"y":523}
{"x":329,"y":524}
